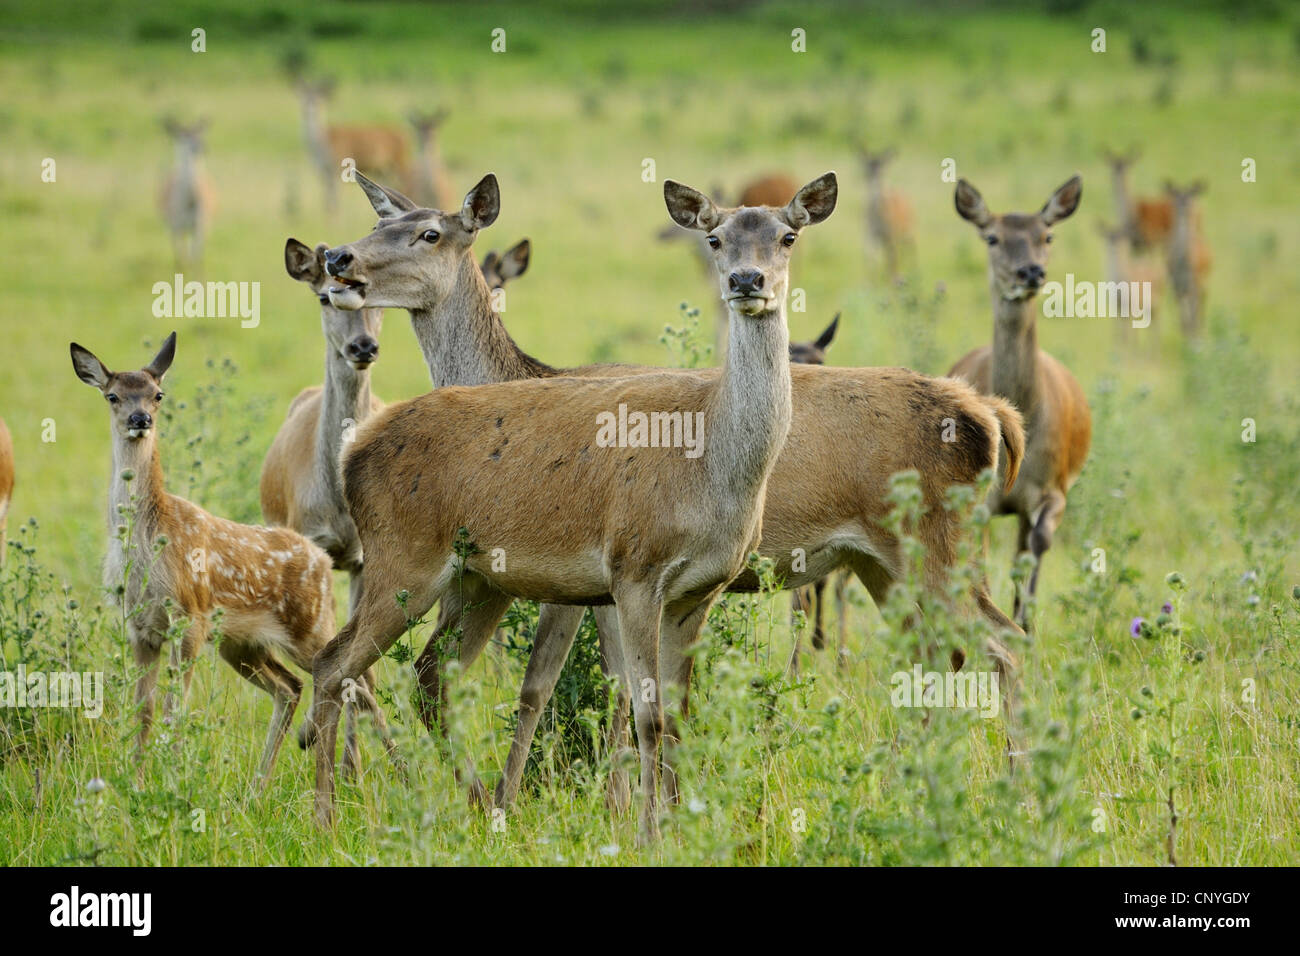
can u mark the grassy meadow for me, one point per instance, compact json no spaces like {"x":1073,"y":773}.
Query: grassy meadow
{"x":1202,"y":709}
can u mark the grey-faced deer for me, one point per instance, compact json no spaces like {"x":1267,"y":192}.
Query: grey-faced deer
{"x":187,"y":197}
{"x":6,"y":483}
{"x":658,"y":530}
{"x":499,"y":269}
{"x":827,"y":497}
{"x":378,"y":148}
{"x":889,"y":214}
{"x":811,"y":599}
{"x":1188,"y":256}
{"x":432,"y":186}
{"x":1058,"y":424}
{"x":270,"y":585}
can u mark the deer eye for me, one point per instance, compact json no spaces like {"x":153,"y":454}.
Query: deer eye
{"x":429,"y":236}
{"x":714,"y":242}
{"x":324,"y":299}
{"x":788,"y":239}
{"x":158,"y":397}
{"x":1047,"y":238}
{"x":112,"y":399}
{"x":991,"y":240}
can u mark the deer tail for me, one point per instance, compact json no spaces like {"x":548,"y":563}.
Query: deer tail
{"x":1012,"y":426}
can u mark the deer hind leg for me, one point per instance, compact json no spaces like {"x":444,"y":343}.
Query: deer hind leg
{"x":556,"y":628}
{"x":679,"y":632}
{"x":467,"y":619}
{"x":639,"y":612}
{"x":801,"y":599}
{"x":259,"y":667}
{"x":618,"y":738}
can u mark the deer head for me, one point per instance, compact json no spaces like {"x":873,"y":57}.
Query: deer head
{"x":751,"y":245}
{"x":354,"y":336}
{"x":814,"y":352}
{"x":1017,"y":242}
{"x":133,"y":397}
{"x":413,"y":256}
{"x":511,"y":264}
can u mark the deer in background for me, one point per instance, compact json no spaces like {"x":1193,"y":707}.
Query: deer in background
{"x":889,"y":214}
{"x":432,"y":186}
{"x":827,"y":497}
{"x":657,"y":530}
{"x":1058,"y":424}
{"x":499,"y":269}
{"x":6,"y":484}
{"x":377,"y":148}
{"x":1188,"y":256}
{"x":1148,"y":221}
{"x":811,"y":599}
{"x":1122,"y":266}
{"x":271,"y":586}
{"x":301,"y":485}
{"x":187,"y":198}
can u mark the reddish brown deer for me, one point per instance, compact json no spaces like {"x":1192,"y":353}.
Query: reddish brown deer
{"x":1058,"y":424}
{"x":378,"y":148}
{"x":270,"y":586}
{"x":6,"y":484}
{"x":1189,"y":256}
{"x":889,"y":214}
{"x":662,"y":527}
{"x":187,"y":199}
{"x":827,"y":496}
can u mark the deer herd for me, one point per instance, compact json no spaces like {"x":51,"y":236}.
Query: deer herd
{"x":492,"y":487}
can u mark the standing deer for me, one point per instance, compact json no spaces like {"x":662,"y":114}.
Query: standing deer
{"x":302,"y":486}
{"x":499,"y":269}
{"x":432,"y":186}
{"x":1149,"y":221}
{"x":271,"y":586}
{"x":889,"y":214}
{"x":827,"y":497}
{"x":187,"y":197}
{"x":377,"y":148}
{"x":1188,"y":256}
{"x":1058,"y":424}
{"x":660,"y":531}
{"x":6,"y":483}
{"x":811,"y":599}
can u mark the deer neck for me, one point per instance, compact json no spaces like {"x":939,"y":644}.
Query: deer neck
{"x":1123,"y":206}
{"x":186,"y":165}
{"x":1015,"y":351}
{"x":141,"y":501}
{"x":749,"y":416}
{"x":464,"y":340}
{"x":345,"y":402}
{"x":313,"y":128}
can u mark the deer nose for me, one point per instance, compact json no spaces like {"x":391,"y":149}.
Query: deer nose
{"x":1032,"y":274}
{"x":745,"y":281}
{"x":363,"y":349}
{"x":336,"y":260}
{"x":139,"y":420}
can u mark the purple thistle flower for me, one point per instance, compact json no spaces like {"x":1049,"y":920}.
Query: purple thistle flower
{"x":1135,"y":629}
{"x":1167,"y":607}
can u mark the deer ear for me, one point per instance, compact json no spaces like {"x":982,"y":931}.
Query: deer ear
{"x":1063,"y":202}
{"x":514,"y":261}
{"x":814,"y":202}
{"x":970,"y":204}
{"x":388,"y":203}
{"x":689,"y":207}
{"x":826,"y":337}
{"x":88,"y":368}
{"x":482,"y":204}
{"x":163,"y":360}
{"x":304,"y":263}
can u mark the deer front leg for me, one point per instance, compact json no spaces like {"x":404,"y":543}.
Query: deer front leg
{"x":618,"y":741}
{"x":147,"y":632}
{"x":680,"y":630}
{"x":639,"y":613}
{"x":556,"y":628}
{"x":1040,"y":538}
{"x":842,"y":615}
